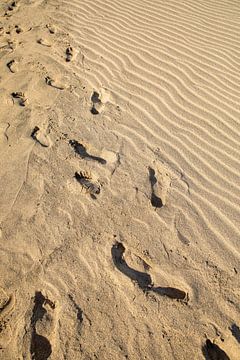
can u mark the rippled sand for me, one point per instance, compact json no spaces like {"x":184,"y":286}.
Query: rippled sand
{"x":120,"y":180}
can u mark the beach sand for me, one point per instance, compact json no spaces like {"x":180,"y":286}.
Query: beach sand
{"x":120,"y":179}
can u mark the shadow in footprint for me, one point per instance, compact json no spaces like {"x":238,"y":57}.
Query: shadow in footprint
{"x":170,"y":292}
{"x":40,"y":347}
{"x":95,"y":101}
{"x":82,"y":151}
{"x":143,"y":280}
{"x":77,"y":307}
{"x":235,"y":330}
{"x":212,"y":351}
{"x":155,"y":200}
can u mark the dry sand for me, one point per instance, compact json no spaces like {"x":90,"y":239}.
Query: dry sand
{"x":120,"y":179}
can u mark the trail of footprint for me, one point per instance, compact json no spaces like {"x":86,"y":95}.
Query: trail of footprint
{"x":81,"y":150}
{"x":42,"y":325}
{"x":214,"y":352}
{"x":96,"y":103}
{"x":143,"y":279}
{"x":51,"y":28}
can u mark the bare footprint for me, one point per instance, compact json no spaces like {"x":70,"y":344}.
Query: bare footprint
{"x":10,"y":46}
{"x":12,"y":65}
{"x":155,"y":200}
{"x":69,"y":54}
{"x":7,"y":305}
{"x":143,"y":279}
{"x":81,"y":150}
{"x":51,"y":82}
{"x":18,"y":29}
{"x":39,"y":136}
{"x":43,"y":327}
{"x":160,"y":182}
{"x":90,"y":186}
{"x":214,"y":352}
{"x":43,"y":42}
{"x":51,"y":28}
{"x":20,"y":98}
{"x":12,"y":5}
{"x":98,"y":101}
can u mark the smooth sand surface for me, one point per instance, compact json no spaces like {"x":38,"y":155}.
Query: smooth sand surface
{"x":120,"y":179}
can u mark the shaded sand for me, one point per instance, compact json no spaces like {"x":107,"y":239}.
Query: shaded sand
{"x":120,"y":179}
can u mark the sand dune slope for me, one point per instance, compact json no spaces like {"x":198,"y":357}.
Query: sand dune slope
{"x":120,"y":179}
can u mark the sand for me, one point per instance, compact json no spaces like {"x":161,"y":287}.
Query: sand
{"x":120,"y":179}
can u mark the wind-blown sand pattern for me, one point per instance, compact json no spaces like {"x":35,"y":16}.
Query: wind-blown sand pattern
{"x":120,"y":179}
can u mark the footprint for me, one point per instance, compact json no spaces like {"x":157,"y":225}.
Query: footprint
{"x":96,"y":103}
{"x":10,"y":46}
{"x":43,"y":42}
{"x":52,"y":83}
{"x":20,"y":98}
{"x":155,"y":200}
{"x":82,"y":151}
{"x":183,"y":238}
{"x":39,"y":136}
{"x":7,"y":305}
{"x":12,"y":6}
{"x":51,"y":28}
{"x":160,"y":181}
{"x":69,"y":53}
{"x":18,"y":29}
{"x":88,"y":184}
{"x":12,"y":65}
{"x":99,"y":100}
{"x":43,"y":327}
{"x":214,"y":352}
{"x":143,"y":279}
